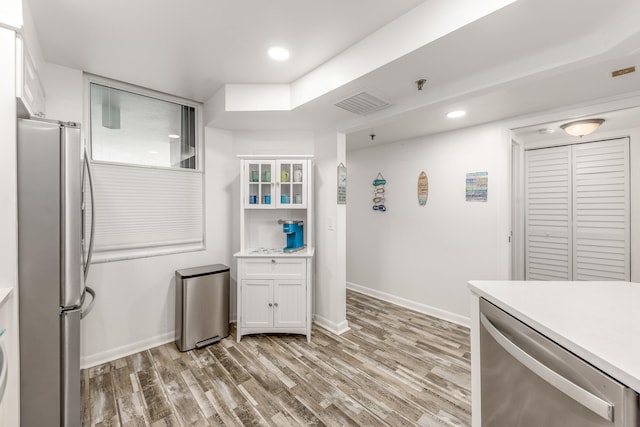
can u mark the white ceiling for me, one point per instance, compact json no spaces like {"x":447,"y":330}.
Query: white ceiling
{"x":191,"y":48}
{"x":528,"y":57}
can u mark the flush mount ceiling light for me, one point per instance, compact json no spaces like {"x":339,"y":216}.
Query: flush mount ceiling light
{"x":582,"y":127}
{"x":456,"y":114}
{"x":278,"y":53}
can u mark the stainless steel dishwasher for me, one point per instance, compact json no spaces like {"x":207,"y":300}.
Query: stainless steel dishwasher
{"x":202,"y":306}
{"x":527,"y":380}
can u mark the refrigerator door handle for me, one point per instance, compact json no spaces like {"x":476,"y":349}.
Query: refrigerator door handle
{"x":85,"y":311}
{"x":87,"y":262}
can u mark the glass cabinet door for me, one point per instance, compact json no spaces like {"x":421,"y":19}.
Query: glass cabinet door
{"x":292,"y":184}
{"x":259,"y":189}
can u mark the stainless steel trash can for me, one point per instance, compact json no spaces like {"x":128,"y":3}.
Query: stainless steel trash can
{"x":202,"y":306}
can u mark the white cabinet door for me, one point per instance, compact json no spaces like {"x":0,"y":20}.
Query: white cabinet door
{"x":291,"y":187}
{"x":29,"y":90}
{"x":257,"y":303}
{"x":290,"y":298}
{"x":281,"y":184}
{"x":601,"y":244}
{"x":259,"y":181}
{"x":548,"y":214}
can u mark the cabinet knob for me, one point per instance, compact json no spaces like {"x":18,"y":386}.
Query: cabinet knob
{"x":273,"y":261}
{"x":275,"y":304}
{"x":270,"y":305}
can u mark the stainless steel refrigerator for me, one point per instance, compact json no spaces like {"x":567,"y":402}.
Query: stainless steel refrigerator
{"x":53,"y":261}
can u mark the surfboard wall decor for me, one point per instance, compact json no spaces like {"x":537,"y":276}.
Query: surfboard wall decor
{"x":423,"y":188}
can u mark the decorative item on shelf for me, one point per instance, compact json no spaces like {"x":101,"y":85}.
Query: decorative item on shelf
{"x":423,"y":188}
{"x":254,"y":176}
{"x":378,"y":193}
{"x":267,"y":176}
{"x":284,"y":175}
{"x":342,"y":184}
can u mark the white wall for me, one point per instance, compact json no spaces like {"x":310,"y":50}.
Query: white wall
{"x":422,"y":257}
{"x":273,"y":142}
{"x":135,"y":305}
{"x":330,"y":259}
{"x":11,"y":14}
{"x":9,"y":412}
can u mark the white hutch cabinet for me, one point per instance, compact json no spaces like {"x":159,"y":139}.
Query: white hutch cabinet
{"x":274,"y":288}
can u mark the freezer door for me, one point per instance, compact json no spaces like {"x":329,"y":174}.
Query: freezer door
{"x":71,"y":205}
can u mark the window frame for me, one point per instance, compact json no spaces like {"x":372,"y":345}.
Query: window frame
{"x":155,"y":250}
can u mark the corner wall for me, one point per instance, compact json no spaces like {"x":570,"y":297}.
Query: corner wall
{"x":330,"y":303}
{"x":422,"y":257}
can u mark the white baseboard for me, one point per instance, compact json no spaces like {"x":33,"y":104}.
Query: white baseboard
{"x":334,"y":328}
{"x":125,"y":350}
{"x":416,"y":306}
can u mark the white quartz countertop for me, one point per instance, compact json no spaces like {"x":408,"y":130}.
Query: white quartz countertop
{"x":598,"y":321}
{"x":274,"y":252}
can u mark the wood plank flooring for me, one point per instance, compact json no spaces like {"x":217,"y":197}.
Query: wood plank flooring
{"x":394,"y":367}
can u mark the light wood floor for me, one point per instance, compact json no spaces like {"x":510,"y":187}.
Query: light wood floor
{"x":394,"y":367}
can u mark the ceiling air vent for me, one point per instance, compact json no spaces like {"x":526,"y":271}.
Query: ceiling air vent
{"x":362,"y":103}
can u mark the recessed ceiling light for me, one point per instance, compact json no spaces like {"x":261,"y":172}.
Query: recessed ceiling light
{"x":455,"y":114}
{"x":174,"y":136}
{"x":153,"y":152}
{"x":278,"y":53}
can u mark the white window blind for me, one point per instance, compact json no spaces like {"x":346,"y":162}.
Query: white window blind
{"x":139,"y":209}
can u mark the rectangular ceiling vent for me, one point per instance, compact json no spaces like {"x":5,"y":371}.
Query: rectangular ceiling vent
{"x":362,"y":103}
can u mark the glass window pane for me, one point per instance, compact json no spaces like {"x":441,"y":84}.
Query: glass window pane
{"x":141,"y":130}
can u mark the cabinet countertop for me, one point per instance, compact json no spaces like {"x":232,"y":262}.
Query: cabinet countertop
{"x":598,"y":321}
{"x":275,"y":253}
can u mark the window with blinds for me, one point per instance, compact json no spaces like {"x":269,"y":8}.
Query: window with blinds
{"x":148,"y":179}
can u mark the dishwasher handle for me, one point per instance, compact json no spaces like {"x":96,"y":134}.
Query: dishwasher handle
{"x":574,"y":391}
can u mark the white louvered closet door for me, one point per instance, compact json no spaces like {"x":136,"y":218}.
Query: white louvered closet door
{"x":577,"y":212}
{"x":601,"y":211}
{"x":548,"y":214}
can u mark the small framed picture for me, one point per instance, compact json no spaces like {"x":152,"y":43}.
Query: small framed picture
{"x":342,"y":184}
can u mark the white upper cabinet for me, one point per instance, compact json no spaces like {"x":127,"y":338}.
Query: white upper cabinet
{"x":275,"y":184}
{"x":29,"y":90}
